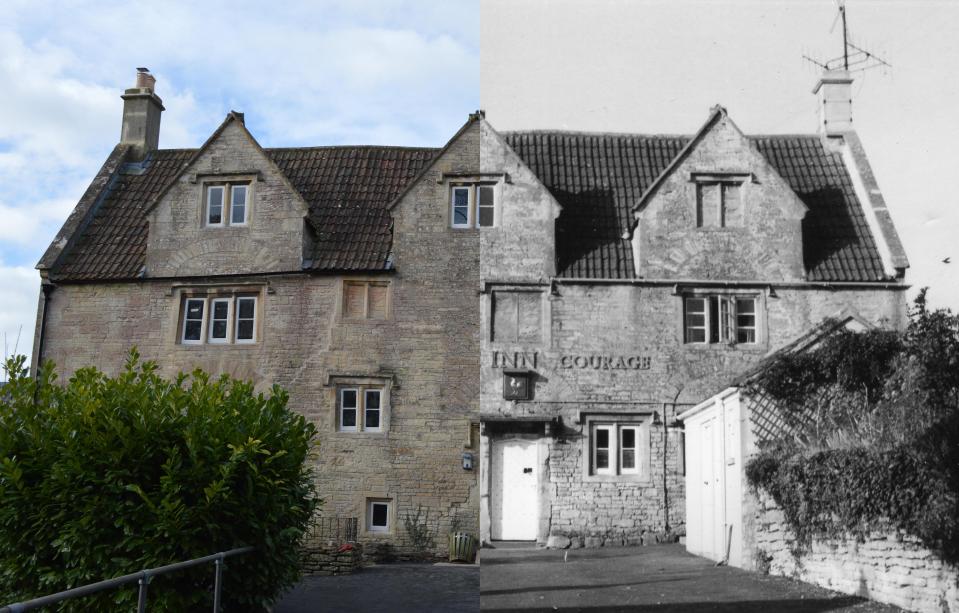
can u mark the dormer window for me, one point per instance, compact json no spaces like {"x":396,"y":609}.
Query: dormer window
{"x":719,"y":202}
{"x":472,"y":205}
{"x":227,"y":204}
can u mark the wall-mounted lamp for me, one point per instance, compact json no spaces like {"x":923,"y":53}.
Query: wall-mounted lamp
{"x":467,"y":460}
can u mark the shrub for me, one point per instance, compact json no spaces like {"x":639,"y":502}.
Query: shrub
{"x":106,"y":476}
{"x":879,"y":415}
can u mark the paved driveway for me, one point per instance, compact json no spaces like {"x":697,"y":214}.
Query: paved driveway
{"x":390,"y":588}
{"x":660,"y":578}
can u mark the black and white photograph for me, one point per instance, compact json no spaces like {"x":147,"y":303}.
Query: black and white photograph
{"x":479,"y":305}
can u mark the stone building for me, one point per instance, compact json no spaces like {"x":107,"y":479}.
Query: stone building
{"x":626,"y":277}
{"x":334,"y":272}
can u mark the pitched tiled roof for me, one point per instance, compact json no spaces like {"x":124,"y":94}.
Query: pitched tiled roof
{"x":598,"y":178}
{"x":347,"y":189}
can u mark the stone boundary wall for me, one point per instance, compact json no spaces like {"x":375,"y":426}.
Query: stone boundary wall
{"x":325,"y":560}
{"x":890,"y":566}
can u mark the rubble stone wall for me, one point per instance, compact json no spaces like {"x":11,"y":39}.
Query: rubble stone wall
{"x":889,"y":566}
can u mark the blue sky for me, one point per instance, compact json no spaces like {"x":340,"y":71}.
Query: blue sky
{"x":311,"y":72}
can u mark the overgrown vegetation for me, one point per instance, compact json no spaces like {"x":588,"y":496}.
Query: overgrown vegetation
{"x":106,"y":476}
{"x":422,"y":537}
{"x":875,"y":417}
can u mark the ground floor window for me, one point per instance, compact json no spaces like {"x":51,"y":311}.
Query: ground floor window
{"x":360,"y":409}
{"x":378,"y":515}
{"x":618,"y":448}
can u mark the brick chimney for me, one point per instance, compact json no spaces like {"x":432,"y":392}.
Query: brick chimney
{"x":835,"y":102}
{"x":141,"y":116}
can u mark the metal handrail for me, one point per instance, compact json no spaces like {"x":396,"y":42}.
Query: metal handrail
{"x":142,"y":577}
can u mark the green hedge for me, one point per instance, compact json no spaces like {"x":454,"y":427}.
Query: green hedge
{"x":105,"y":476}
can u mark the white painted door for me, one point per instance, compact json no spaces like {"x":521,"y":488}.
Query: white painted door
{"x":711,"y":474}
{"x":515,"y":490}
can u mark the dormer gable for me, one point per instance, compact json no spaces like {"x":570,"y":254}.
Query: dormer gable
{"x":521,"y":245}
{"x":719,"y":210}
{"x":229,"y":210}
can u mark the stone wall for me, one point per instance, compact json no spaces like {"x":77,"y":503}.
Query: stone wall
{"x":322,"y":560}
{"x":425,"y":353}
{"x":889,"y":566}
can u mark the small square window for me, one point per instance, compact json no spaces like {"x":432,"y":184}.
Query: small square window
{"x":361,"y":408}
{"x":227,"y":204}
{"x":378,"y":515}
{"x":473,"y":205}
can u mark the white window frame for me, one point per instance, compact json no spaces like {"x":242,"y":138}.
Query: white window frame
{"x":186,"y":312}
{"x":370,"y":503}
{"x":341,"y":408}
{"x":246,"y":202}
{"x":223,"y":206}
{"x":379,"y":409}
{"x":621,"y":448}
{"x":211,"y":306}
{"x":727,"y":328}
{"x":469,"y":207}
{"x":615,"y":430}
{"x":236,"y":320}
{"x":362,"y":390}
{"x":206,"y":323}
{"x":611,"y":454}
{"x":473,"y":204}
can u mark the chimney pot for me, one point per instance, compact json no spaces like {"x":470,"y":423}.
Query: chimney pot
{"x":145,"y":80}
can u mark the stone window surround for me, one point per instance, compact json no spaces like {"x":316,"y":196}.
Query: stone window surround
{"x":368,"y":528}
{"x":642,"y":421}
{"x":700,"y":179}
{"x":761,"y":320}
{"x":473,"y":182}
{"x":226,"y":181}
{"x":383,"y":383}
{"x":546,"y":318}
{"x":218,"y":292}
{"x":341,"y":301}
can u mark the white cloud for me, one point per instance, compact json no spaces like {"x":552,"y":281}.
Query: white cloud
{"x":19,"y":291}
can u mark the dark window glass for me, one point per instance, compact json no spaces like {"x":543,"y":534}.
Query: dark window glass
{"x":380,"y":514}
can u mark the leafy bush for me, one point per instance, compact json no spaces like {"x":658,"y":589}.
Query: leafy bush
{"x":110,"y":475}
{"x":878,"y":421}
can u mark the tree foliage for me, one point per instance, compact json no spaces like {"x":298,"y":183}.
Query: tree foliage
{"x":106,"y":476}
{"x":877,"y":415}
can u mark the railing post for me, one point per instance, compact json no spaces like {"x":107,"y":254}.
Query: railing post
{"x":216,"y":584}
{"x":142,"y":600}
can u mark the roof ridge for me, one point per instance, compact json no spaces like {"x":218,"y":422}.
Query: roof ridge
{"x":592,"y":133}
{"x":327,"y":147}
